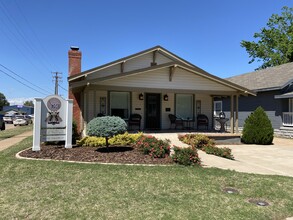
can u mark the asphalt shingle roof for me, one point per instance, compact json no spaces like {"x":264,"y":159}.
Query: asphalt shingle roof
{"x":267,"y":79}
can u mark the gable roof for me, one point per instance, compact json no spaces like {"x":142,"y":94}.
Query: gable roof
{"x":124,"y":59}
{"x":177,"y":62}
{"x":272,"y":78}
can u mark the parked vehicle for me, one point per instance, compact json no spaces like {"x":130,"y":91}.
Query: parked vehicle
{"x":8,"y":119}
{"x":20,"y":120}
{"x":2,"y":123}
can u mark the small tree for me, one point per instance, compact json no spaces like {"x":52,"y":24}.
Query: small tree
{"x":3,"y":101}
{"x":107,"y":126}
{"x":258,"y":128}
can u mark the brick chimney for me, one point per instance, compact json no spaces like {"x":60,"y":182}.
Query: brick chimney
{"x":74,"y":56}
{"x":74,"y":67}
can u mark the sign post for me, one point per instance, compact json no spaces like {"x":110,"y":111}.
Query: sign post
{"x":53,"y":121}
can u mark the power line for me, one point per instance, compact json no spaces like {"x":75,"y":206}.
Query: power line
{"x":22,"y":83}
{"x":24,"y":79}
{"x":62,"y":88}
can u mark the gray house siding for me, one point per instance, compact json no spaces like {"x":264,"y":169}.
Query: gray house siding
{"x":273,"y":107}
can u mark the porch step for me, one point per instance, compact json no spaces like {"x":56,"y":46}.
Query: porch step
{"x":225,"y":139}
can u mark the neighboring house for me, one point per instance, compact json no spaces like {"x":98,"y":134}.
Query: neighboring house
{"x":274,"y":89}
{"x":153,"y":83}
{"x":13,"y":109}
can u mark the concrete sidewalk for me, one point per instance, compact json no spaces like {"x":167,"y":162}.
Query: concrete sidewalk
{"x":8,"y":142}
{"x":276,"y":159}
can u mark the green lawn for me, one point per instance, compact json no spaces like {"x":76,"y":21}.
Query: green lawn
{"x":15,"y":131}
{"x":58,"y":190}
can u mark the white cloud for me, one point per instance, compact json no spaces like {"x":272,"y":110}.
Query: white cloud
{"x":19,"y":101}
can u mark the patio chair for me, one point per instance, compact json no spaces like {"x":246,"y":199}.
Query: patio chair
{"x":135,"y":120}
{"x":202,"y":120}
{"x":175,"y":120}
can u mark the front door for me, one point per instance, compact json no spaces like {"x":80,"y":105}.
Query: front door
{"x":153,"y":111}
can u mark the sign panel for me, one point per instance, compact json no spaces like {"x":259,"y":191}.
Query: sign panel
{"x":53,"y":121}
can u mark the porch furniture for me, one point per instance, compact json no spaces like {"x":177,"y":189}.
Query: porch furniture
{"x":176,"y":121}
{"x":202,"y":120}
{"x":189,"y":122}
{"x":135,"y":120}
{"x":222,"y":122}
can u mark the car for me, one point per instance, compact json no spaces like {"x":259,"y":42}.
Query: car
{"x":8,"y":119}
{"x":2,"y":123}
{"x":20,"y":120}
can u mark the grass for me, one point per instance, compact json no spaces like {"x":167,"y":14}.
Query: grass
{"x":58,"y":190}
{"x":15,"y":131}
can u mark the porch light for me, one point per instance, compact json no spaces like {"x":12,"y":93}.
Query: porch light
{"x":166,"y":98}
{"x":140,"y":97}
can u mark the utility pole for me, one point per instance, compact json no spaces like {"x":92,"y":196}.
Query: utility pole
{"x":56,"y":78}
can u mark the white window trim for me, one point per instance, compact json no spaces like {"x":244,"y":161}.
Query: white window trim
{"x":215,"y":112}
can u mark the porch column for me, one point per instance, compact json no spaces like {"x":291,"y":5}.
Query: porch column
{"x":236,"y":114}
{"x":232,"y":115}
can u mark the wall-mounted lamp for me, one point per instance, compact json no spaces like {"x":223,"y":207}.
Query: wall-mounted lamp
{"x":140,"y":96}
{"x":166,"y":98}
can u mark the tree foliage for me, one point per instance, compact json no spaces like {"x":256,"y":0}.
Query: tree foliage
{"x":258,"y":128}
{"x":29,"y":103}
{"x":3,"y":101}
{"x":106,"y":127}
{"x":275,"y":42}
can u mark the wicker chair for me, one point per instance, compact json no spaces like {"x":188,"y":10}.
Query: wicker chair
{"x":176,"y":121}
{"x":135,"y":120}
{"x":202,"y":120}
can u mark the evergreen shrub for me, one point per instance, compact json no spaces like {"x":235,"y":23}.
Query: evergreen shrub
{"x":107,"y":126}
{"x":258,"y":128}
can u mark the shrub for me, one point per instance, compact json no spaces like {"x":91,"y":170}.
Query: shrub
{"x":125,"y":139}
{"x":120,"y":139}
{"x":198,"y":141}
{"x":258,"y":128}
{"x":75,"y":133}
{"x":221,"y":152}
{"x":186,"y":156}
{"x":154,"y":147}
{"x":106,"y":127}
{"x":91,"y":141}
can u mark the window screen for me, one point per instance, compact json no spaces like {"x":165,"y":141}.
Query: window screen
{"x":184,"y":106}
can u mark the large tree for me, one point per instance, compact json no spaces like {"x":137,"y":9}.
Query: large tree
{"x":3,"y":101}
{"x":29,"y":103}
{"x":275,"y":42}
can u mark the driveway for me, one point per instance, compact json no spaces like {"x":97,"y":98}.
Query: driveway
{"x":276,"y":159}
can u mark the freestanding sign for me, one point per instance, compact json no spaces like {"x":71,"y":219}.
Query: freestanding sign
{"x":53,"y":121}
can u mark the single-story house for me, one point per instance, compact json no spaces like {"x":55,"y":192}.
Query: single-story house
{"x":21,"y":109}
{"x":153,"y":83}
{"x":274,"y":89}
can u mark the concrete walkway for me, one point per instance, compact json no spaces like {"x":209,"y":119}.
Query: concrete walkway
{"x":8,"y":142}
{"x":276,"y":159}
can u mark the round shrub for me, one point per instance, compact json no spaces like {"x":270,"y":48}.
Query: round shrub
{"x":154,"y":147}
{"x":186,"y":156}
{"x":106,"y":127}
{"x":258,"y":128}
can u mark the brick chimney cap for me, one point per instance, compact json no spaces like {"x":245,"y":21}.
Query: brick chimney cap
{"x":74,"y":48}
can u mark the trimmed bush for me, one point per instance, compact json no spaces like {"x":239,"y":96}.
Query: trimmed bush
{"x":258,"y":128}
{"x":198,"y":141}
{"x":186,"y":156}
{"x":221,"y":152}
{"x":154,"y":147}
{"x":107,"y":126}
{"x":120,"y":139}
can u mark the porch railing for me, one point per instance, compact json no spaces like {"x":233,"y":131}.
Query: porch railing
{"x":288,"y":119}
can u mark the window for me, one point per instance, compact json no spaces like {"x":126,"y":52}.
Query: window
{"x":217,"y":108}
{"x":120,"y":104}
{"x":184,"y":106}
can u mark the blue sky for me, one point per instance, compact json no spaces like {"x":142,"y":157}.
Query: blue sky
{"x":35,"y":36}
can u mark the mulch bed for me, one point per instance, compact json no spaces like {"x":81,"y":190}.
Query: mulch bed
{"x":115,"y":154}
